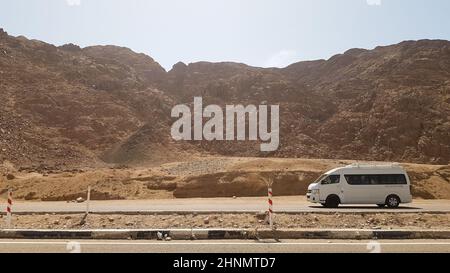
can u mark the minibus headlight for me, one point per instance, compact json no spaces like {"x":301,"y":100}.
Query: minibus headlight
{"x":315,"y":191}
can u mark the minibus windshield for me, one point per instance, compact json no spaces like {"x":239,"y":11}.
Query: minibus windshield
{"x":322,"y":177}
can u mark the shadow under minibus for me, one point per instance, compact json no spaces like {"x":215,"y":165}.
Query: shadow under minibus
{"x":351,"y":207}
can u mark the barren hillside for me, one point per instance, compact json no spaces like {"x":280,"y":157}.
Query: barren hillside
{"x":65,"y":107}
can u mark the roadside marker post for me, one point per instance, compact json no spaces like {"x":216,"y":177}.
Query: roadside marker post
{"x":269,"y":182}
{"x":88,"y":200}
{"x":9,"y":209}
{"x":270,"y":193}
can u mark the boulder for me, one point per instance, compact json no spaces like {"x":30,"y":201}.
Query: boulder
{"x":10,"y":176}
{"x":261,"y":215}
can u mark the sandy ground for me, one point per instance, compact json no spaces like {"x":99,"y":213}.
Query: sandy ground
{"x":199,"y":177}
{"x":289,"y":221}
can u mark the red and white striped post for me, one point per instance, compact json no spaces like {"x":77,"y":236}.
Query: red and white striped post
{"x":270,"y":208}
{"x":88,"y":200}
{"x":9,"y":209}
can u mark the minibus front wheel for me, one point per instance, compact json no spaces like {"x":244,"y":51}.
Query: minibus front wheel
{"x":332,"y":201}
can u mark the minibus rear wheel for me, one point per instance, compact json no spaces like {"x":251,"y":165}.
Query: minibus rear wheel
{"x":332,"y":201}
{"x":393,"y":201}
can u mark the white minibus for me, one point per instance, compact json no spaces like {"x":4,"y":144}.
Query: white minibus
{"x":382,"y":185}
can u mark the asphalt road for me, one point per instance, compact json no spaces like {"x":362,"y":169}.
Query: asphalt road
{"x":281,"y":204}
{"x":286,"y":246}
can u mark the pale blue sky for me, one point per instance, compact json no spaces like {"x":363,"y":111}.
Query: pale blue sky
{"x":256,"y":32}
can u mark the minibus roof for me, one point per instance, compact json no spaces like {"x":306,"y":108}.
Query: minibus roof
{"x":393,"y":166}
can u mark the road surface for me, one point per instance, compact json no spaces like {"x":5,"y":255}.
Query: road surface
{"x":222,"y":205}
{"x":285,"y":246}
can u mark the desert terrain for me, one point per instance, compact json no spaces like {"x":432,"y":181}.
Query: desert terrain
{"x":200,"y":177}
{"x":99,"y":116}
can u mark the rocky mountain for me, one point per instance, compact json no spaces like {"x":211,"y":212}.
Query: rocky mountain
{"x":390,"y":103}
{"x":66,"y":106}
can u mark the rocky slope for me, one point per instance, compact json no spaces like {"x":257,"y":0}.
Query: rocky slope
{"x":391,"y":103}
{"x":69,"y":106}
{"x":66,"y":106}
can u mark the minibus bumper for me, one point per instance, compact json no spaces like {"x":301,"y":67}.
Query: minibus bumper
{"x":407,"y":200}
{"x":313,"y":198}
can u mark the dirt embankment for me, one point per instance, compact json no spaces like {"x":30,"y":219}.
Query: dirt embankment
{"x":201,"y":177}
{"x":244,"y":184}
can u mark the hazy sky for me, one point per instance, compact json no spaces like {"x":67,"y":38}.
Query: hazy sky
{"x":256,"y":32}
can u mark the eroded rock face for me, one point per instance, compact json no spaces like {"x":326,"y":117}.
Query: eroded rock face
{"x":65,"y":106}
{"x":243,"y":184}
{"x":3,"y":33}
{"x":70,"y":47}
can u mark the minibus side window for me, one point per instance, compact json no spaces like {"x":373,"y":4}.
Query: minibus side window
{"x":380,"y":179}
{"x":332,"y":179}
{"x":353,"y":179}
{"x":401,"y":179}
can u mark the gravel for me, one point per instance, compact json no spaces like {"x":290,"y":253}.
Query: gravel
{"x":287,"y":221}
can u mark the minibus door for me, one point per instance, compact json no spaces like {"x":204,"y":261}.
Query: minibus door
{"x":330,"y":186}
{"x":341,"y":190}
